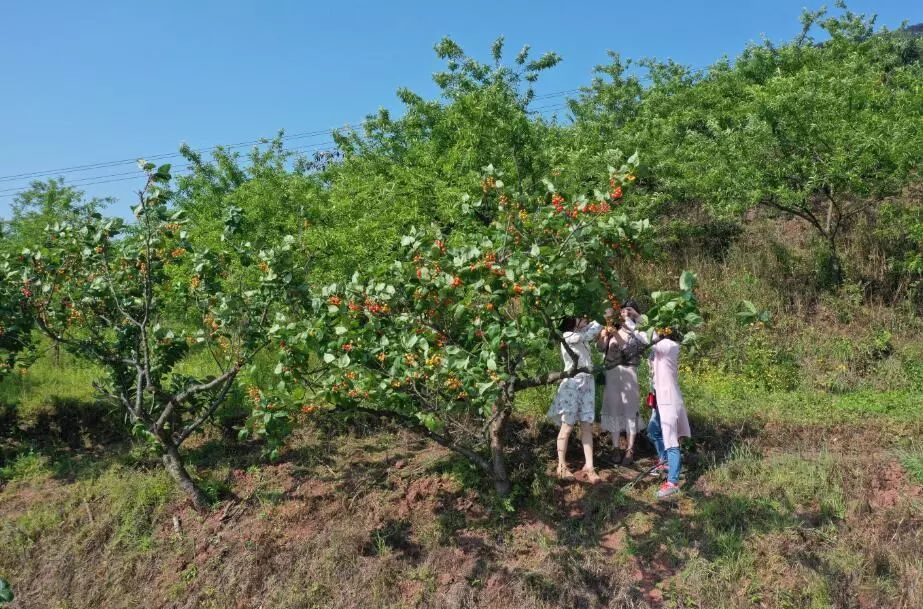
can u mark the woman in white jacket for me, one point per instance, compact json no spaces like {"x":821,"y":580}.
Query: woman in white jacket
{"x":576,"y":397}
{"x":669,"y":422}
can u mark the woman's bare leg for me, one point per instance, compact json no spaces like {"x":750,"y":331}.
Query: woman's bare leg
{"x":586,"y":438}
{"x":563,"y":435}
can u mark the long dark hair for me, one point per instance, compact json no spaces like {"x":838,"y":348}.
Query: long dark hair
{"x":675,"y":335}
{"x":568,"y":324}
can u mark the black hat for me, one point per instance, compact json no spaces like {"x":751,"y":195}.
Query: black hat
{"x":631,"y":303}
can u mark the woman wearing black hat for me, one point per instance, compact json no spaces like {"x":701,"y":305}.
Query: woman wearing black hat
{"x":622,"y":347}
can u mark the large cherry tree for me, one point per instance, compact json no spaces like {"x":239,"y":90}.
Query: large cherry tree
{"x":441,"y":339}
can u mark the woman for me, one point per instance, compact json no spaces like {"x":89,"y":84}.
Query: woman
{"x":576,"y":397}
{"x":669,"y":422}
{"x":622,"y":346}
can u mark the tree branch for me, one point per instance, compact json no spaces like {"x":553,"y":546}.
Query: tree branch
{"x":179,"y":398}
{"x":801,"y":213}
{"x":417,"y":427}
{"x":212,"y":407}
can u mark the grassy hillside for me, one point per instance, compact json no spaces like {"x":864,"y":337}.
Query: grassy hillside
{"x":793,"y":499}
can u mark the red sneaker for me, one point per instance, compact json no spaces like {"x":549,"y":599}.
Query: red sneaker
{"x":667,"y":489}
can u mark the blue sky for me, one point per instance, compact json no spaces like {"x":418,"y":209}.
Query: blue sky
{"x":92,"y":82}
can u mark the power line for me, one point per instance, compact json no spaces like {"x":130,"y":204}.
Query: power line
{"x":135,"y":175}
{"x":155,"y":157}
{"x":132,"y":175}
{"x":86,"y":181}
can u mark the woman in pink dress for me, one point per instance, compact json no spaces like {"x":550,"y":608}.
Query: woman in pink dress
{"x":669,"y":422}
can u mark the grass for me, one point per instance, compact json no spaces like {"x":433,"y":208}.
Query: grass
{"x":912,"y":460}
{"x":760,"y":526}
{"x":48,"y":382}
{"x":730,"y":398}
{"x":770,"y":517}
{"x":784,"y":483}
{"x":25,"y":466}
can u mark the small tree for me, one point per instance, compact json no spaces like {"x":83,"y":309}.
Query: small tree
{"x":441,"y":340}
{"x":111,"y":293}
{"x":43,"y":203}
{"x":15,"y":321}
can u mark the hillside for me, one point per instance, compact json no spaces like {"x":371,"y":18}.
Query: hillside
{"x":777,"y":513}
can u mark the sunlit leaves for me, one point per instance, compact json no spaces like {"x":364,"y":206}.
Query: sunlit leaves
{"x":436,"y":334}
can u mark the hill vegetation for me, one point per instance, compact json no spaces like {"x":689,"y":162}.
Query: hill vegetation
{"x":306,"y":382}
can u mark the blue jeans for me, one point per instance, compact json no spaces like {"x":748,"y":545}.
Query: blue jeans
{"x":669,"y":455}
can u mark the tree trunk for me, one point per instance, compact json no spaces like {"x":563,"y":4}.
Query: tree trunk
{"x":174,"y":465}
{"x":498,"y":458}
{"x":836,"y":267}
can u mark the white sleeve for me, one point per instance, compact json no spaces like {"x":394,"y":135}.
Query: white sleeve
{"x":591,"y":331}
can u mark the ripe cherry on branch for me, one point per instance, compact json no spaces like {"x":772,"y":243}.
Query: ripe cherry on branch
{"x":460,"y":322}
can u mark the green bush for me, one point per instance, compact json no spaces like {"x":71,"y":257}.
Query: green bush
{"x":768,"y":365}
{"x":25,"y":466}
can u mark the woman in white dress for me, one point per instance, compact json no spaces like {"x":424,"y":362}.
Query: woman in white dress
{"x":622,"y":346}
{"x":669,"y":422}
{"x":576,"y":397}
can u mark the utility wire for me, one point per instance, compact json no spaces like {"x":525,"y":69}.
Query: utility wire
{"x":155,"y":157}
{"x":135,"y":174}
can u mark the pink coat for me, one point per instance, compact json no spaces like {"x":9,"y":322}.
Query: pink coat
{"x":674,"y":423}
{"x":665,"y":367}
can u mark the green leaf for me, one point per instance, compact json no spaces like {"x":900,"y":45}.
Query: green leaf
{"x":687,"y":280}
{"x":329,"y":357}
{"x":6,"y":592}
{"x":339,"y":330}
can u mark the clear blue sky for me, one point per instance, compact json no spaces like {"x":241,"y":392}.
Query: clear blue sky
{"x":86,"y":82}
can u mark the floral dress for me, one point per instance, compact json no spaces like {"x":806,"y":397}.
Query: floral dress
{"x":576,"y":396}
